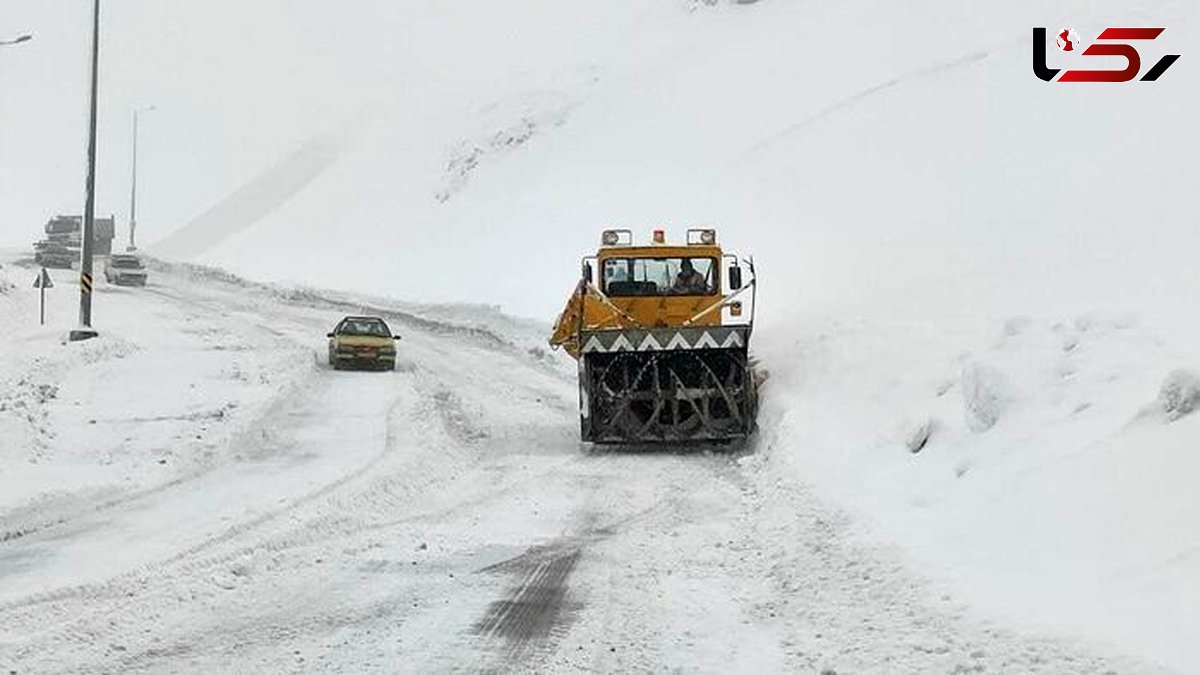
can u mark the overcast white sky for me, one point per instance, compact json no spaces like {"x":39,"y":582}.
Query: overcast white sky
{"x":236,"y":84}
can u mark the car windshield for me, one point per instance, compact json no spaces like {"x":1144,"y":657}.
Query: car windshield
{"x":132,"y":263}
{"x":373,"y":327}
{"x":659,"y":276}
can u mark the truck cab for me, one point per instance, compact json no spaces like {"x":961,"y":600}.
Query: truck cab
{"x":661,"y":334}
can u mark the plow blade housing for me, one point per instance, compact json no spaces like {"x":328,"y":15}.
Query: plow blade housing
{"x":667,"y":385}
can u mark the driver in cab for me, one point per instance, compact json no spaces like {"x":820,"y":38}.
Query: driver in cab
{"x":689,"y":281}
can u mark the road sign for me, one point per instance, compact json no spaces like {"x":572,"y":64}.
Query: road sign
{"x":43,"y":280}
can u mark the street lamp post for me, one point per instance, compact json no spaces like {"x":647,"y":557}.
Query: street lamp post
{"x":85,"y":331}
{"x":133,"y":181}
{"x":16,"y":40}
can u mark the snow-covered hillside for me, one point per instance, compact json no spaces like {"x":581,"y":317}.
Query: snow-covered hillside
{"x":977,"y":300}
{"x":862,"y":149}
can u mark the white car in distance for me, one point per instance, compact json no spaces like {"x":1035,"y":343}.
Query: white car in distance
{"x":124,"y":269}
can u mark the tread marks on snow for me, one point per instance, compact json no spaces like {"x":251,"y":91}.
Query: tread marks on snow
{"x":536,"y":607}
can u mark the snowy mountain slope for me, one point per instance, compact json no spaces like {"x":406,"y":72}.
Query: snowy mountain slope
{"x":968,"y":161}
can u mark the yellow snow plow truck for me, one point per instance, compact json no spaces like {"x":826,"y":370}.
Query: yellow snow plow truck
{"x":661,"y":333}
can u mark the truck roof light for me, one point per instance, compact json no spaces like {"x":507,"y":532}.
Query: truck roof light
{"x":616,"y":238}
{"x":659,"y":237}
{"x":707,"y":236}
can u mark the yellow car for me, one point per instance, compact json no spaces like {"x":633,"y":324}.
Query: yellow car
{"x":362,"y":341}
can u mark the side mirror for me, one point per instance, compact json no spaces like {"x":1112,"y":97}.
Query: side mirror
{"x":587,"y":272}
{"x":396,"y":337}
{"x":735,"y":277}
{"x":329,"y":335}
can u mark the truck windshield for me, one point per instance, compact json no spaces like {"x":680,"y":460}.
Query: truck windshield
{"x":659,"y":276}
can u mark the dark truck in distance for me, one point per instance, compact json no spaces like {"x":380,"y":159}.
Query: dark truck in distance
{"x":64,"y":239}
{"x":51,"y":254}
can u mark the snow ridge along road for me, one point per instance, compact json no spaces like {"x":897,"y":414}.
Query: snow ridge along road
{"x":440,"y":517}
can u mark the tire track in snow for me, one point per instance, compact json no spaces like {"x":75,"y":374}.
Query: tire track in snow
{"x":277,"y":416}
{"x":321,"y":530}
{"x":388,"y":448}
{"x":254,"y":434}
{"x":87,"y":509}
{"x":14,"y":526}
{"x":187,"y":569}
{"x":536,"y":607}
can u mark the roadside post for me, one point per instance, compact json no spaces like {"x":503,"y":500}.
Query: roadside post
{"x":43,"y":281}
{"x":85,"y":330}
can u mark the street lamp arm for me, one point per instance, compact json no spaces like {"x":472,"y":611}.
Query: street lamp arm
{"x":17,"y":40}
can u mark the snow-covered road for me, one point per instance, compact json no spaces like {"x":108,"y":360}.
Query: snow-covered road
{"x":197,"y":491}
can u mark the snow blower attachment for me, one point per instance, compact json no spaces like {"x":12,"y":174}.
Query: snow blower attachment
{"x":661,"y":335}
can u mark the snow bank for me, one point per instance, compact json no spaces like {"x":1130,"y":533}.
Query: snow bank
{"x":1180,"y":394}
{"x":1055,"y":484}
